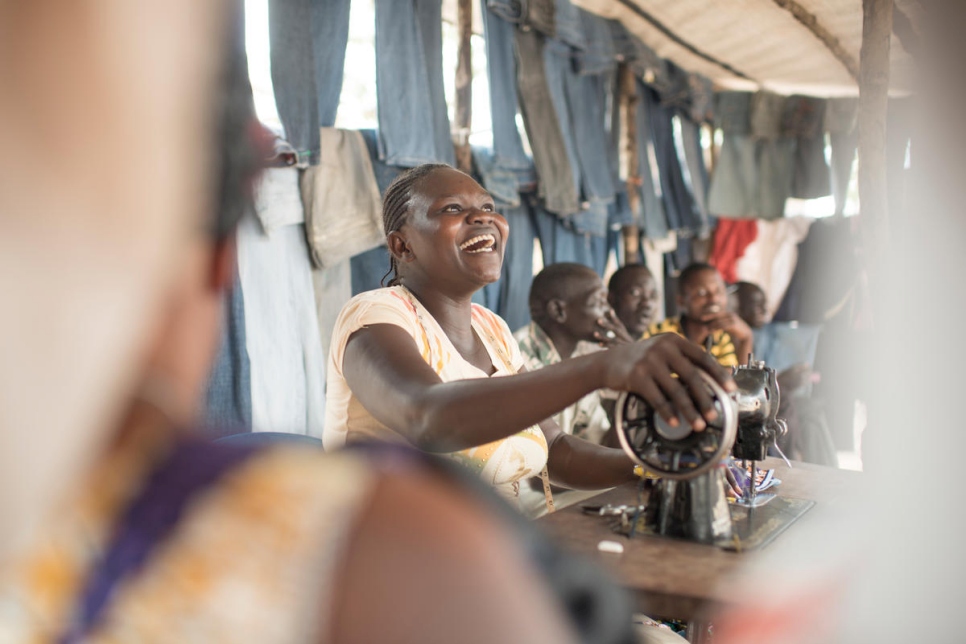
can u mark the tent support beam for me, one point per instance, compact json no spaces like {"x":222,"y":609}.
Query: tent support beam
{"x":630,"y":161}
{"x":873,"y":113}
{"x":810,"y":22}
{"x":464,"y":86}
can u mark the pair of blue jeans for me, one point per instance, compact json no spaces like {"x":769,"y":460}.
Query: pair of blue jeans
{"x":308,"y":42}
{"x":599,"y":54}
{"x":413,"y":118}
{"x":228,"y":397}
{"x":501,"y":73}
{"x":679,"y":206}
{"x":368,"y":268}
{"x":557,"y":179}
{"x":509,"y":297}
{"x":580,"y":102}
{"x":587,"y":99}
{"x":652,"y":217}
{"x":560,"y":242}
{"x":567,"y":24}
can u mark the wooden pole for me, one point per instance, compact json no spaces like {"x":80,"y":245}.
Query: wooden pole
{"x":464,"y":86}
{"x":630,"y":161}
{"x":873,"y":112}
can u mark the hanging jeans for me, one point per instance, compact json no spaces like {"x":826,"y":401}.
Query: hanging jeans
{"x":511,"y":300}
{"x":413,"y":119}
{"x":776,"y":172}
{"x":679,"y":206}
{"x":308,"y":42}
{"x":652,"y":215}
{"x":840,"y":122}
{"x":599,"y":54}
{"x":504,"y":103}
{"x":228,"y":401}
{"x":587,"y":101}
{"x":734,"y":185}
{"x":559,"y":242}
{"x":804,"y":120}
{"x":368,"y":268}
{"x":696,"y":172}
{"x":556,"y":176}
{"x":557,"y":64}
{"x":567,"y":24}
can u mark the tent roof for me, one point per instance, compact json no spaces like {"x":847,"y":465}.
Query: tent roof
{"x":761,"y":40}
{"x":750,"y":44}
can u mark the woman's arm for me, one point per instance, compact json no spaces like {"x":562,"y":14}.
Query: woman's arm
{"x":581,"y":465}
{"x":390,"y":378}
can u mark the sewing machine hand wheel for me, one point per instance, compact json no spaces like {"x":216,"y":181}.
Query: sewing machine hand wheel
{"x":676,"y":452}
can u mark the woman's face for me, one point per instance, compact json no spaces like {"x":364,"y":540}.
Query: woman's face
{"x":453,"y":234}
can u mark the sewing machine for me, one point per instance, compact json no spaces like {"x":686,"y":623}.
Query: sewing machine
{"x":689,"y":500}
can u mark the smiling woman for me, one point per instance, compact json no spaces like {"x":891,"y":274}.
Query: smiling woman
{"x":417,"y":362}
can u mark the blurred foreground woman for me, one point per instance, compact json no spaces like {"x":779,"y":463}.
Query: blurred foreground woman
{"x":117,"y":524}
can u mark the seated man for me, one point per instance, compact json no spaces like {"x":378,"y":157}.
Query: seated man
{"x":571,"y":317}
{"x":632,"y":292}
{"x":705,"y":319}
{"x":750,"y":303}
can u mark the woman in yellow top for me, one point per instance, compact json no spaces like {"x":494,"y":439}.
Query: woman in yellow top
{"x":418,"y":362}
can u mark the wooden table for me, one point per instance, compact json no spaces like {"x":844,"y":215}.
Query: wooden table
{"x":676,"y":579}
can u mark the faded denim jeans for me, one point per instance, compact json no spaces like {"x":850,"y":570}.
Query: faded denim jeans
{"x":557,"y":184}
{"x":652,"y":213}
{"x":599,"y":54}
{"x":804,"y":120}
{"x":413,"y":119}
{"x":504,"y":103}
{"x":679,"y":206}
{"x":568,"y":27}
{"x":308,"y":41}
{"x":228,"y":400}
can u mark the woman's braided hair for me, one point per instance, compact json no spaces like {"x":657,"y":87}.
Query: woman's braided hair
{"x":396,"y":204}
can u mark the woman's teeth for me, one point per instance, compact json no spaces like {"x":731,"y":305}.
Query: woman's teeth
{"x":479,"y":244}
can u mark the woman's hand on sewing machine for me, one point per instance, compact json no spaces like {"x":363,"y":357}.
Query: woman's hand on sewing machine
{"x":665,"y":370}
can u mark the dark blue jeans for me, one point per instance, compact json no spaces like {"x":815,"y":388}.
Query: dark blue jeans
{"x":308,"y":40}
{"x":413,"y":118}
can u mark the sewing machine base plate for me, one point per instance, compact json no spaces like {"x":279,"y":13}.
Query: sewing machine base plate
{"x":759,"y":500}
{"x":752,"y":528}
